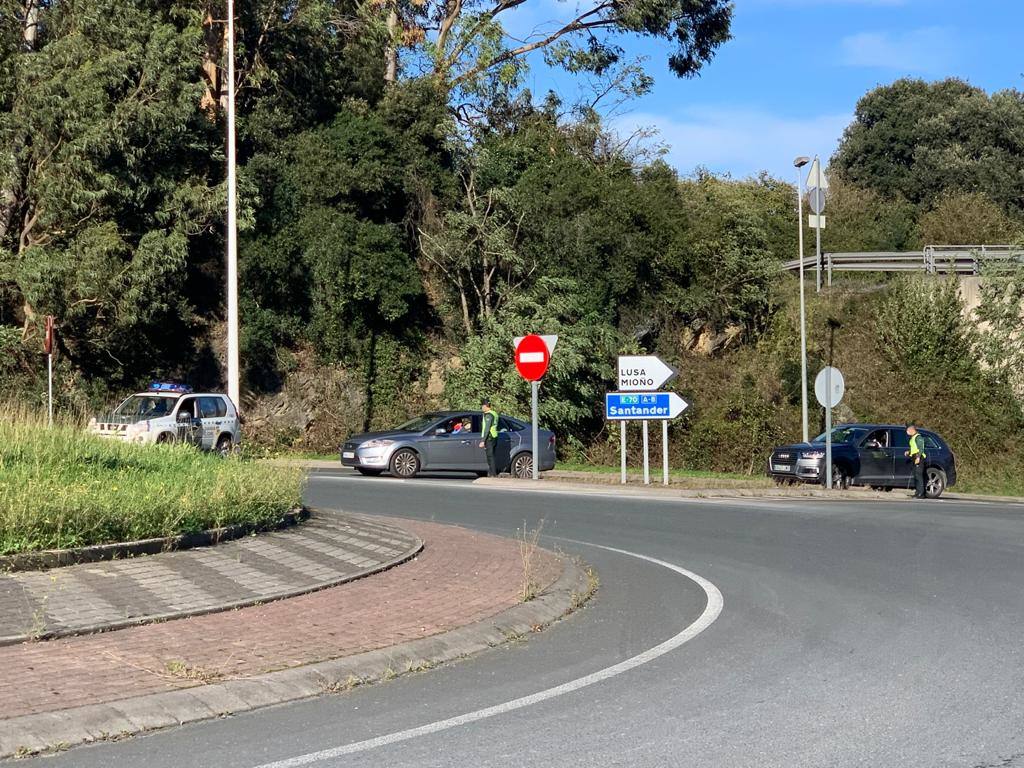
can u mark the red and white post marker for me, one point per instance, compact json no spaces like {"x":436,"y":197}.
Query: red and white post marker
{"x":48,"y":349}
{"x":532,"y":358}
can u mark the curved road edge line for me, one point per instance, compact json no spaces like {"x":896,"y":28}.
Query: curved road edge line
{"x":715,"y":604}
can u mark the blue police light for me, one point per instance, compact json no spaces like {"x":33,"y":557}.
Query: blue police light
{"x":169,"y":387}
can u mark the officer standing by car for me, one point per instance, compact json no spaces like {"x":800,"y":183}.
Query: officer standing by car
{"x":917,"y":455}
{"x":489,"y":433}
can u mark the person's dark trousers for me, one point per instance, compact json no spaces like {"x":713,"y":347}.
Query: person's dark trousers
{"x":919,"y":480}
{"x":489,"y":445}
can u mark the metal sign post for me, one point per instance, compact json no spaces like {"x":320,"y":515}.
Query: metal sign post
{"x":829,"y":388}
{"x":817,"y":185}
{"x":647,"y":457}
{"x":622,"y":440}
{"x":664,"y":452}
{"x":532,"y":358}
{"x":533,"y":423}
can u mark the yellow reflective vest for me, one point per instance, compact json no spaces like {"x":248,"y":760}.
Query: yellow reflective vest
{"x":493,"y":429}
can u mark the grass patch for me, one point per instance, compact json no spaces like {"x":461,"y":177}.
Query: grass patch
{"x":991,"y":486}
{"x":62,"y":488}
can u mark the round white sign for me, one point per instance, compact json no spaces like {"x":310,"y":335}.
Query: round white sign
{"x":829,"y":387}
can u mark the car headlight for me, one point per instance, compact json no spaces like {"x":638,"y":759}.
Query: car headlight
{"x":376,"y":443}
{"x":813,"y":455}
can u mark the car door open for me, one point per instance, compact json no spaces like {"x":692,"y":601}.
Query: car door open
{"x":875,"y":457}
{"x":903,"y":467}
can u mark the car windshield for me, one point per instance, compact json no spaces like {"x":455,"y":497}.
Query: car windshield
{"x":841,"y":435}
{"x":420,"y":423}
{"x":145,"y":407}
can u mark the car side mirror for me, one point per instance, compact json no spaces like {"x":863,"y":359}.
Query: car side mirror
{"x":440,"y":431}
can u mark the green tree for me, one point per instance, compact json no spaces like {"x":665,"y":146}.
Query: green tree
{"x":581,"y":366}
{"x":108,"y":190}
{"x":916,"y":140}
{"x":861,"y":219}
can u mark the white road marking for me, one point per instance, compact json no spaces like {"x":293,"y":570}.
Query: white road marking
{"x":706,"y":619}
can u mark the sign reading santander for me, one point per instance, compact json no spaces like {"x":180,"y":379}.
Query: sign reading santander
{"x":532,"y":357}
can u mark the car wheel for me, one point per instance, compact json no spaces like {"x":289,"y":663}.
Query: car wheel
{"x":164,"y":438}
{"x":369,"y":472}
{"x":405,"y":463}
{"x":224,"y":446}
{"x":840,"y":480}
{"x":522,"y":466}
{"x":934,"y":482}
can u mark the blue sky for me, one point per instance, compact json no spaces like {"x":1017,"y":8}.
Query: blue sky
{"x":788,"y":81}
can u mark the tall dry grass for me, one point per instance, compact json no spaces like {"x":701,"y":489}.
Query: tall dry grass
{"x":60,"y":487}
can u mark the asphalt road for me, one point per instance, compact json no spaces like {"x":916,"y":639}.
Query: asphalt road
{"x":852,"y":634}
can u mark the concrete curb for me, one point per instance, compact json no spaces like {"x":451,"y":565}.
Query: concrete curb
{"x":33,"y":734}
{"x":58,"y":558}
{"x":269,"y":597}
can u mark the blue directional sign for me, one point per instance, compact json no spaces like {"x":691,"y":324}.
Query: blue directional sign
{"x":629,"y":406}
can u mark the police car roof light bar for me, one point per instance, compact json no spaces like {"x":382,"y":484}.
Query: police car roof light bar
{"x":167,"y":386}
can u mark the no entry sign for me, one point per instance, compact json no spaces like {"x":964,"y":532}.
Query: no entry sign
{"x":532,"y":357}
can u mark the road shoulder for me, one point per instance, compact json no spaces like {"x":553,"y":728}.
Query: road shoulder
{"x":437,"y":608}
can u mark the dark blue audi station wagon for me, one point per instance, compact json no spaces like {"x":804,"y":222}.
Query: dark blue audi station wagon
{"x":866,"y":454}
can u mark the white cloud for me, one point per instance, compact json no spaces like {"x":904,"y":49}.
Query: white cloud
{"x":738,"y":141}
{"x":919,"y":50}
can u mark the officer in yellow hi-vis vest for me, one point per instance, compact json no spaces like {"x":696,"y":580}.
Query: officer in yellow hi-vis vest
{"x":489,"y":433}
{"x":917,"y":455}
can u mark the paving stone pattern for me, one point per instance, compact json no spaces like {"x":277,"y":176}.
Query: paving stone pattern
{"x":461,"y":577}
{"x":326,"y":549}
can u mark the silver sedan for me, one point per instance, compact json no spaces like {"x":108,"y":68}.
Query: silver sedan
{"x":448,"y":441}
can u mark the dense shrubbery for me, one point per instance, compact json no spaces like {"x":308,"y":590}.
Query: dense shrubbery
{"x":922,"y":329}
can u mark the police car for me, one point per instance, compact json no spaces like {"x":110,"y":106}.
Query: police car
{"x":173,"y":413}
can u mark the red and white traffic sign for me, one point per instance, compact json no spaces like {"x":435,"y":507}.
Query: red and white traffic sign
{"x":532,"y":357}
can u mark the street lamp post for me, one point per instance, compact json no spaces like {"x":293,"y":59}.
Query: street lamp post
{"x":799,"y":163}
{"x":232,"y":255}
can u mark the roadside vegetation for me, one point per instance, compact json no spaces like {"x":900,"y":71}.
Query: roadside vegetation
{"x":407,"y":206}
{"x":61,"y":488}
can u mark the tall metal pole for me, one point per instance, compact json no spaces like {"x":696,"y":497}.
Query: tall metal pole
{"x":233,"y":373}
{"x":817,"y":229}
{"x":536,"y":429}
{"x":803,"y":311}
{"x":622,"y":451}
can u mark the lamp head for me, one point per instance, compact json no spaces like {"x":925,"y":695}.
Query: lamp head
{"x":801,"y":161}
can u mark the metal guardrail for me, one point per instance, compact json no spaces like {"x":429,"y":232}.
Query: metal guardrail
{"x":933,"y":259}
